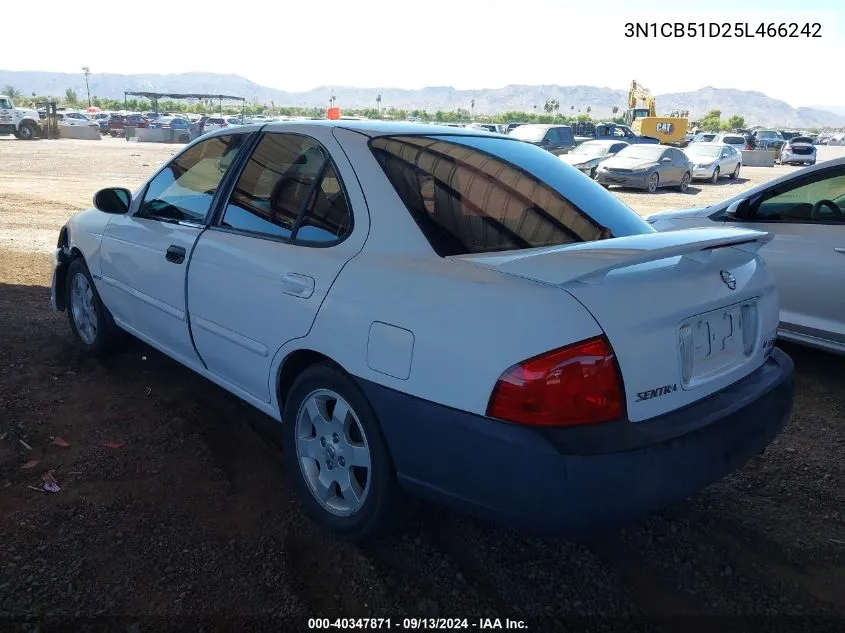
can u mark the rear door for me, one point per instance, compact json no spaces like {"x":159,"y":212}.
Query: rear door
{"x":807,"y":256}
{"x":145,"y":253}
{"x":259,"y":274}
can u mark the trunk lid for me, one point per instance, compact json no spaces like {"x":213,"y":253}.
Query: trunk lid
{"x":687,"y":312}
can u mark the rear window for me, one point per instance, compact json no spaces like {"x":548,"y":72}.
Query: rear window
{"x":734,"y":140}
{"x":214,"y":121}
{"x":467,"y":197}
{"x":532,"y":133}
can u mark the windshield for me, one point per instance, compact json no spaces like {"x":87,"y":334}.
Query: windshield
{"x":531,"y":133}
{"x":703,"y":150}
{"x":474,"y":194}
{"x":645,"y":152}
{"x":590,"y":149}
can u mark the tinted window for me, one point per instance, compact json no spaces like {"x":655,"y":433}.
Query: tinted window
{"x":797,"y":205}
{"x":5,"y":104}
{"x":277,"y":183}
{"x":618,"y":147}
{"x":469,"y":200}
{"x":185,"y":188}
{"x":565,"y":134}
{"x":734,"y":140}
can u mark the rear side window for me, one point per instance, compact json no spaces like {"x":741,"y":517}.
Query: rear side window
{"x":289,"y":189}
{"x":467,"y":200}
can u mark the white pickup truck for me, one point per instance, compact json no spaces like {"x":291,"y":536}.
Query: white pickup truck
{"x":22,"y":122}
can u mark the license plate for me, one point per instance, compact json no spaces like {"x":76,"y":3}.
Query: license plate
{"x":715,"y":342}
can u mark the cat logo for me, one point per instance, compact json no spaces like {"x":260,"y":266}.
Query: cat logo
{"x":666,"y":128}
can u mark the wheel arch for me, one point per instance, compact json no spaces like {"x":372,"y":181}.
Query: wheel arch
{"x":293,"y":364}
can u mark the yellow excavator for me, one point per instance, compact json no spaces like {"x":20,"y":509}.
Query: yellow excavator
{"x":670,"y":130}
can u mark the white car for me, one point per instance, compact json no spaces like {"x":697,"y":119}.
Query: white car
{"x":587,"y":156}
{"x":457,"y":315}
{"x":75,"y":118}
{"x":798,"y":150}
{"x":805,"y":211}
{"x":213,"y":124}
{"x":737,"y":141}
{"x":710,"y":161}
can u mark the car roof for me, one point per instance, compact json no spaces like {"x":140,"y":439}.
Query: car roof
{"x":382,"y":128}
{"x":605,"y":141}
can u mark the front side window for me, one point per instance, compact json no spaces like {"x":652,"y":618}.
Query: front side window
{"x":822,"y":200}
{"x":469,"y":200}
{"x":289,"y":189}
{"x":5,"y":104}
{"x":184,"y":190}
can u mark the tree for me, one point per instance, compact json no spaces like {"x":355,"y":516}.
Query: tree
{"x":712,"y":120}
{"x":378,"y":102}
{"x":70,"y":96}
{"x":11,"y":92}
{"x":736,"y":122}
{"x":615,"y":109}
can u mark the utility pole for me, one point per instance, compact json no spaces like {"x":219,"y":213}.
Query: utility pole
{"x":87,"y":72}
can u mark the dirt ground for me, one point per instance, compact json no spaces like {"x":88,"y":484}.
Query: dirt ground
{"x":187,"y":514}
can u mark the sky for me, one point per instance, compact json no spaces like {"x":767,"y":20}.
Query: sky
{"x":467,"y":44}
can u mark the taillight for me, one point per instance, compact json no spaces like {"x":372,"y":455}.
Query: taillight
{"x":747,"y":146}
{"x":573,"y":385}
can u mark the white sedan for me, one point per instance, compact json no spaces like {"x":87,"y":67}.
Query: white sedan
{"x":452,"y":314}
{"x":805,"y":211}
{"x":710,"y":161}
{"x":75,"y":118}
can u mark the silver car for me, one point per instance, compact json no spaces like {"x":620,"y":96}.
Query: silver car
{"x":737,"y":141}
{"x":587,"y":156}
{"x":798,"y":149}
{"x":646,"y":167}
{"x":710,"y":161}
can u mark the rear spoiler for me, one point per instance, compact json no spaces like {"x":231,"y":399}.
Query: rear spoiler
{"x":590,"y":262}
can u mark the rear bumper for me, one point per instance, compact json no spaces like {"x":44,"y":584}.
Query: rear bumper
{"x":569,"y":481}
{"x":786,"y":157}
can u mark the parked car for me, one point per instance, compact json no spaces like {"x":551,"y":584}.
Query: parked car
{"x":166,"y":122}
{"x":646,"y":167}
{"x":557,"y":139}
{"x":737,"y":141}
{"x":588,"y":155}
{"x":805,"y":211}
{"x":703,"y":137}
{"x":218,"y":123}
{"x":75,"y":118}
{"x":327,"y":272}
{"x":712,"y":160}
{"x":800,"y":150}
{"x":118,"y":122}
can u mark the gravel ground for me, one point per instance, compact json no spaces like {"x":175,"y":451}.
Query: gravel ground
{"x":190,"y":518}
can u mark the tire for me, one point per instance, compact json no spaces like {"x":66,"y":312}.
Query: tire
{"x":715,"y":177}
{"x":317,"y":448}
{"x":653,"y":182}
{"x":735,"y":174}
{"x":99,"y":340}
{"x":685,"y":179}
{"x":183,"y":138}
{"x":25,"y":132}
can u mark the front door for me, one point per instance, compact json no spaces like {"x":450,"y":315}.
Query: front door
{"x":145,"y":253}
{"x":807,"y":256}
{"x":261,"y":271}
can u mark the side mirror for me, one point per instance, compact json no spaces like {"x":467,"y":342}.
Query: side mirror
{"x":665,"y":159}
{"x":737,"y":211}
{"x":113,"y":200}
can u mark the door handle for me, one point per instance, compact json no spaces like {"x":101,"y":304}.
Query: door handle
{"x":840,"y":250}
{"x":175,"y":254}
{"x":298,"y":285}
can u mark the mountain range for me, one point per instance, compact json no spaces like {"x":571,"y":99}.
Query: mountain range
{"x":756,"y":107}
